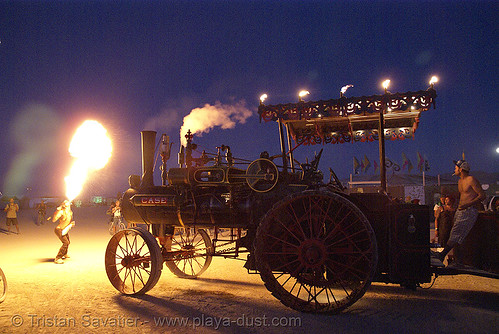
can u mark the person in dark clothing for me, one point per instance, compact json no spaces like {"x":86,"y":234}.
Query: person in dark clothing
{"x":42,"y":210}
{"x":445,"y":220}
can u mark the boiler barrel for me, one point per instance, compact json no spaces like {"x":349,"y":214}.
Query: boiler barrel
{"x":153,"y":207}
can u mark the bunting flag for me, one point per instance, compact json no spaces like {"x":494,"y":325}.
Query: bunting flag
{"x":366,"y":164}
{"x":420,"y":162}
{"x":376,"y":167}
{"x":410,"y":166}
{"x":407,"y":163}
{"x":356,"y":165}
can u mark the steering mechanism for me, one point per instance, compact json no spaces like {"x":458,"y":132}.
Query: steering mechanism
{"x":336,"y":183}
{"x":310,"y":171}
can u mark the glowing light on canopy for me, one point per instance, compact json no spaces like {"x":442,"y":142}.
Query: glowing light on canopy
{"x":386,"y":84}
{"x":91,"y":147}
{"x":263,"y":98}
{"x":345,"y":88}
{"x":433,"y":80}
{"x":302,"y":94}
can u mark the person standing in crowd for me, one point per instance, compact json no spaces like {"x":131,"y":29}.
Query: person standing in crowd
{"x":116,"y":210}
{"x":64,"y":214}
{"x":11,"y":218}
{"x":437,"y":209}
{"x":445,"y":223}
{"x":42,"y":210}
{"x":471,"y":196}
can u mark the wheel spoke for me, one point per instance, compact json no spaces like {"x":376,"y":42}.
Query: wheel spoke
{"x":347,"y":269}
{"x":118,"y":257}
{"x":333,"y":296}
{"x":348,"y":238}
{"x":128,"y":246}
{"x":138,"y":275}
{"x":197,"y":262}
{"x":287,"y":229}
{"x":123,"y":250}
{"x":140,"y":249}
{"x":281,"y":240}
{"x":296,"y":221}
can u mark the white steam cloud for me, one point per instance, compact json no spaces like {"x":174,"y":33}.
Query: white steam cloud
{"x":202,"y":120}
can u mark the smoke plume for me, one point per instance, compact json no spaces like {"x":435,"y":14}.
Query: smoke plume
{"x":34,"y":135}
{"x":202,"y":120}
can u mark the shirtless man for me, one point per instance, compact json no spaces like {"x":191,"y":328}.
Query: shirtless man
{"x":471,"y":194}
{"x":65,"y":217}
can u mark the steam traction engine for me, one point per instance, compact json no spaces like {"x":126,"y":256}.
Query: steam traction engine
{"x":316,"y":248}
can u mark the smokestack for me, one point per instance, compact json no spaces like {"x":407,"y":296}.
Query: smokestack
{"x":148,"y":141}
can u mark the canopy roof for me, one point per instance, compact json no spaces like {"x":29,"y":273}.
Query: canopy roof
{"x":351,"y":119}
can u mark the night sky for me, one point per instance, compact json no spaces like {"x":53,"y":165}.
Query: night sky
{"x":143,"y":65}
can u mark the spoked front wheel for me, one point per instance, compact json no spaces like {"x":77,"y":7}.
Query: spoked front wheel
{"x":133,"y":261}
{"x":190,"y":252}
{"x":316,"y":252}
{"x":3,"y":286}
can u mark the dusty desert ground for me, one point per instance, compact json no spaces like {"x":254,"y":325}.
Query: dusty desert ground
{"x":76,"y":297}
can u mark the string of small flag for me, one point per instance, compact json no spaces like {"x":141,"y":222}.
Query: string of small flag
{"x":364,"y":164}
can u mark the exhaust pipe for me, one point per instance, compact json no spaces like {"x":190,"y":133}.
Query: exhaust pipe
{"x":148,"y":139}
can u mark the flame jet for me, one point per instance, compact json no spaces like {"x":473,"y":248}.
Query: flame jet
{"x":91,"y":147}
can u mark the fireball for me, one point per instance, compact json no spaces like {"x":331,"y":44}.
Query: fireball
{"x":91,"y":147}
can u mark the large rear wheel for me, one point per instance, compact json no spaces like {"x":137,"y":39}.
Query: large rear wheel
{"x":133,"y":261}
{"x":316,"y":252}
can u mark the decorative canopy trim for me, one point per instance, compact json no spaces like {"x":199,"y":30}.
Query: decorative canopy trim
{"x":354,"y":119}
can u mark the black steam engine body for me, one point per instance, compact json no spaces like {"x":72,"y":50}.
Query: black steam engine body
{"x":204,"y":192}
{"x":316,"y":247}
